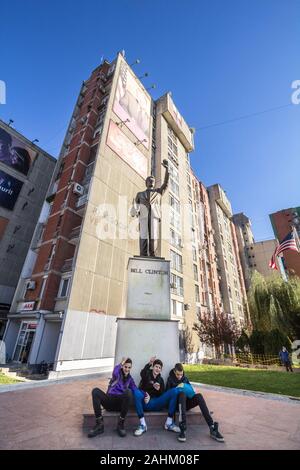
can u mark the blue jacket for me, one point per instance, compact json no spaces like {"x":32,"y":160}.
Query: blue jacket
{"x":184,"y":382}
{"x":119,"y":383}
{"x":284,"y":356}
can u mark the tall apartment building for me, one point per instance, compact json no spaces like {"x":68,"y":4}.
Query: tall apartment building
{"x":232,"y":279}
{"x":25,"y":174}
{"x":282,"y":222}
{"x":245,"y":239}
{"x":187,"y":235}
{"x":116,"y":137}
{"x":259,"y":255}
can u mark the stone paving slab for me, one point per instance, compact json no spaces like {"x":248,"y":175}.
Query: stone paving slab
{"x":51,"y":417}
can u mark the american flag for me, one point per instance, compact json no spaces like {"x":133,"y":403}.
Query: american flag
{"x":290,"y":242}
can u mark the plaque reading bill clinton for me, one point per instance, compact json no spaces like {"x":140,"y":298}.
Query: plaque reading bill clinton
{"x":147,"y":206}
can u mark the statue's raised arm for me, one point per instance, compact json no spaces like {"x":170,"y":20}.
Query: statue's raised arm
{"x":164,"y":186}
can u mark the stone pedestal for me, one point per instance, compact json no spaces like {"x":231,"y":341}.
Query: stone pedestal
{"x":147,"y":329}
{"x":148,"y":288}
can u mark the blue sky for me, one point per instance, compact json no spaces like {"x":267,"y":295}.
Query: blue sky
{"x":222,"y":60}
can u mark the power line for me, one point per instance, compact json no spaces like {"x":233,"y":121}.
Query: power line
{"x":246,"y":116}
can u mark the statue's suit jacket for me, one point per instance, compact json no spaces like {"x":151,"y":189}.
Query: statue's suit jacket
{"x":150,"y":199}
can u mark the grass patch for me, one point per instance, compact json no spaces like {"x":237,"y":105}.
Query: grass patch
{"x":4,"y":380}
{"x":268,"y":381}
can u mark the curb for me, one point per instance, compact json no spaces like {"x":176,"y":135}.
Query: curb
{"x":49,"y":382}
{"x":251,"y":393}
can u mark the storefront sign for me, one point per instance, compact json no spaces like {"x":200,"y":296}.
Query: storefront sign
{"x":27,"y":306}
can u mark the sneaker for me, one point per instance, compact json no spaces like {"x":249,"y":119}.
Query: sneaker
{"x":140,"y":430}
{"x":172,"y":427}
{"x":182,"y":436}
{"x":215,"y":434}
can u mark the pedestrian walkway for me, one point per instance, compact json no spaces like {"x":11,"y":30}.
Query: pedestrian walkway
{"x":51,"y":417}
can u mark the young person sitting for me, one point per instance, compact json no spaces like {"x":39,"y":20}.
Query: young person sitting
{"x":117,"y":398}
{"x":188,"y":399}
{"x":151,"y":396}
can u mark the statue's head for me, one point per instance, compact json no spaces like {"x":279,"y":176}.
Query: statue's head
{"x":150,"y":182}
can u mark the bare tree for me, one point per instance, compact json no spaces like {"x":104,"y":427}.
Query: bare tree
{"x":217,"y":330}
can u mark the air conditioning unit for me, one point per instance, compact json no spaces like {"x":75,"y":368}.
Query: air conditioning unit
{"x":31,"y":285}
{"x":78,"y":189}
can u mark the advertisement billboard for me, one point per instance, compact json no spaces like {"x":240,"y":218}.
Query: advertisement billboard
{"x":10,"y":188}
{"x":132,"y":104}
{"x":15,"y":153}
{"x":125,"y":149}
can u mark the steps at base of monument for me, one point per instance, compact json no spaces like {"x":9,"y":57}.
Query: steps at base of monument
{"x":154,"y":419}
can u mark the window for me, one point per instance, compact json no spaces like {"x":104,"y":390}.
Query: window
{"x":176,"y":284}
{"x":175,"y":239}
{"x":174,"y":187}
{"x":174,"y":172}
{"x":174,"y":203}
{"x":175,"y":220}
{"x":197,"y":294}
{"x":64,"y":287}
{"x":195,"y":272}
{"x":43,"y":287}
{"x":177,"y":308}
{"x":176,"y":261}
{"x":194,"y":251}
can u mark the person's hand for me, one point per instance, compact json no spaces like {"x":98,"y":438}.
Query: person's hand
{"x":123,"y":360}
{"x":133,"y":210}
{"x":180,"y":385}
{"x":156,"y":385}
{"x":165,"y":163}
{"x":147,"y":398}
{"x":152,"y":359}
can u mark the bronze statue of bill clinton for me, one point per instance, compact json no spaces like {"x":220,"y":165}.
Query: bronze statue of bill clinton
{"x":147,"y":206}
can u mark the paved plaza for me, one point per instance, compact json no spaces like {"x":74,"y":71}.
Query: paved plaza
{"x":50,"y":416}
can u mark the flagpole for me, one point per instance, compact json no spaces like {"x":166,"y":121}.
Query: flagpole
{"x":282,"y":269}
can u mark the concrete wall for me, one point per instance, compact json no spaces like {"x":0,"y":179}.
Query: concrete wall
{"x":49,"y":341}
{"x":87,"y":336}
{"x":11,"y":336}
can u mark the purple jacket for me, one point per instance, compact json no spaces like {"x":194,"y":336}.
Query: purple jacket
{"x":117,"y":385}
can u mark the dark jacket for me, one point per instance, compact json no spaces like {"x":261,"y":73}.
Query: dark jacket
{"x":284,"y":356}
{"x":146,"y":384}
{"x":173,"y":381}
{"x":119,"y":383}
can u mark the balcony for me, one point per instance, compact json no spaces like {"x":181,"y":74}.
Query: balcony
{"x":74,"y":235}
{"x":81,"y":203}
{"x":51,"y":195}
{"x":176,"y":290}
{"x":67,"y":266}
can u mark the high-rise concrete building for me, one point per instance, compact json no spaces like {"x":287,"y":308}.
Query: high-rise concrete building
{"x":259,"y":255}
{"x":117,"y":136}
{"x":25,"y":174}
{"x":245,"y":239}
{"x":232,"y":279}
{"x":282,"y":222}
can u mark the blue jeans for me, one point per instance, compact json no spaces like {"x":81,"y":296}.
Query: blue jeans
{"x":166,"y":399}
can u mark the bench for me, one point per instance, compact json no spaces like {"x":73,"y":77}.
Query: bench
{"x":154,"y":419}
